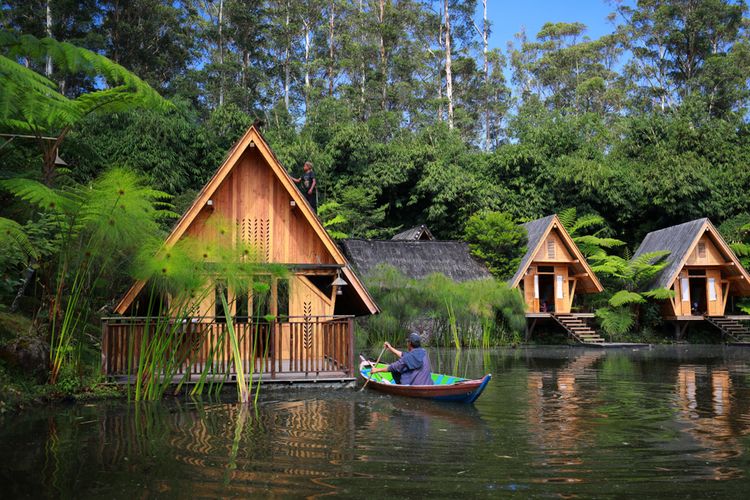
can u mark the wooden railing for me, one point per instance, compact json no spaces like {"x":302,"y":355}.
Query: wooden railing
{"x":298,"y":345}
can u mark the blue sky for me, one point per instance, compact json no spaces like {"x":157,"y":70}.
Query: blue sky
{"x":508,"y":16}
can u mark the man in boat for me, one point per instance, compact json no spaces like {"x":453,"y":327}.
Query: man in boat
{"x":412,"y":367}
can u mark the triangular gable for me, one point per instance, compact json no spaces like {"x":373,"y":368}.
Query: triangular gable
{"x":253,"y":139}
{"x":680,"y":241}
{"x":538,"y":231}
{"x":417,"y":233}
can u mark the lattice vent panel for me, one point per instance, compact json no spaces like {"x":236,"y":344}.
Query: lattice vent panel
{"x":257,"y":232}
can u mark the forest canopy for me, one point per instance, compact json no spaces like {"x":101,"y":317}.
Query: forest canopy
{"x":408,"y":113}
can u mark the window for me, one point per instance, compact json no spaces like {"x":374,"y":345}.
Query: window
{"x":546,"y":269}
{"x":550,"y":248}
{"x":261,"y":296}
{"x":240,"y":307}
{"x":220,"y":289}
{"x":282,"y":298}
{"x":701,"y":250}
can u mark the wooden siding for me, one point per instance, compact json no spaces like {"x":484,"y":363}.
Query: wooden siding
{"x":712,"y":255}
{"x":561,"y":253}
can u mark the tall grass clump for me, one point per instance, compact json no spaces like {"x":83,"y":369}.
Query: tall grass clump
{"x":192,"y":273}
{"x":473,"y":314}
{"x":93,"y":230}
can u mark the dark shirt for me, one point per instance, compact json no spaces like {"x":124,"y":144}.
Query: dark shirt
{"x":414,"y":368}
{"x":307,"y":180}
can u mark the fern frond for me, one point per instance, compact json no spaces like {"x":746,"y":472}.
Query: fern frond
{"x":615,"y":321}
{"x":42,"y":196}
{"x":568,"y":218}
{"x":12,"y":236}
{"x":587,"y":221}
{"x":625,"y":297}
{"x":597,"y":241}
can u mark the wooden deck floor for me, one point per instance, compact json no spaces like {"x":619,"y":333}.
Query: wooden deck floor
{"x":285,"y":376}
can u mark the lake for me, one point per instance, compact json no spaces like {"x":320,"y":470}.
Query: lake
{"x":666,"y":422}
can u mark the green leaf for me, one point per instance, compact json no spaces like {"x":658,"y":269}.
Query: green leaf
{"x":625,"y":297}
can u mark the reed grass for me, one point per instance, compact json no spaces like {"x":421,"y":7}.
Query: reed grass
{"x":471,"y":314}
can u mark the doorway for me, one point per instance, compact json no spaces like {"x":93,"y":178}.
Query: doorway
{"x":546,"y":293}
{"x":698,"y":302}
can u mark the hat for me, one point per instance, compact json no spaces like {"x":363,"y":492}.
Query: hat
{"x":415,"y":339}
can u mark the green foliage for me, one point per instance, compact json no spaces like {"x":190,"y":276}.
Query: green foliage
{"x":473,"y":313}
{"x":626,"y":282}
{"x":99,"y":227}
{"x":495,"y":238}
{"x":30,"y":102}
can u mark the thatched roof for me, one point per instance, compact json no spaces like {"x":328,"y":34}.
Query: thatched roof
{"x":537,"y":230}
{"x":416,"y":259}
{"x":415,"y":233}
{"x":679,"y":241}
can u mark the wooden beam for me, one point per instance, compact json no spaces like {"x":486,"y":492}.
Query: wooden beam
{"x":571,"y":293}
{"x":725,"y":292}
{"x":580,"y":275}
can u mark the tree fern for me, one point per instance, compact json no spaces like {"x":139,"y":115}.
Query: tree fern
{"x":33,"y":104}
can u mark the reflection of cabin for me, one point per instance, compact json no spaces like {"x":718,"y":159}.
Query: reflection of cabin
{"x":551,"y":274}
{"x":254,"y":194}
{"x":553,"y":270}
{"x":416,"y":258}
{"x":702,"y":271}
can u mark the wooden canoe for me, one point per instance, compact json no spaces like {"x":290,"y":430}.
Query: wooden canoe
{"x":445,"y":388}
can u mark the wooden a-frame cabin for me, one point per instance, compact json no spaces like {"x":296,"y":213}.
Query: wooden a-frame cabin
{"x":704,"y":274}
{"x":551,"y":274}
{"x":313,"y":334}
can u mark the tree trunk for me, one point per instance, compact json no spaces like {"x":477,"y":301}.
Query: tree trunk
{"x":448,"y":73}
{"x":287,"y":69}
{"x":383,"y":61}
{"x":485,"y":52}
{"x":221,"y":53}
{"x":363,"y":68}
{"x":306,"y":25}
{"x":48,"y":28}
{"x":330,"y":48}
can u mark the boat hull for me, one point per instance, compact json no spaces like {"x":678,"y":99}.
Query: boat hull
{"x":462,"y":390}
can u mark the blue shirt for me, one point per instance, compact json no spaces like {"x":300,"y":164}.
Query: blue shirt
{"x":414,"y":367}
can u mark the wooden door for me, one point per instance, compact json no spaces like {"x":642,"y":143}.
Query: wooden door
{"x":562,"y":305}
{"x":531,"y":291}
{"x":714,"y":298}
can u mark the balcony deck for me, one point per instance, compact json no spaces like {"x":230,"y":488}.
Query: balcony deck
{"x":298,"y":349}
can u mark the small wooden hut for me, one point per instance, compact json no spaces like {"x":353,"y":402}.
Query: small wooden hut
{"x":313,"y":332}
{"x":553,"y":270}
{"x":703,"y":272}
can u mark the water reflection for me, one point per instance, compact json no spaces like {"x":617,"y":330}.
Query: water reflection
{"x":552,"y":423}
{"x":709,"y":416}
{"x":558,"y":423}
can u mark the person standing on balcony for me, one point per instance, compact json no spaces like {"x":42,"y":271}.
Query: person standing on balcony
{"x":412,"y":367}
{"x":309,"y":185}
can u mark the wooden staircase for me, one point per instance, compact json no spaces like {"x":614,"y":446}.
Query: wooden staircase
{"x":735,"y":331}
{"x":578,"y":329}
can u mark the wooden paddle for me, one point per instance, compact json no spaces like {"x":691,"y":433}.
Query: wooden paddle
{"x":371,"y":367}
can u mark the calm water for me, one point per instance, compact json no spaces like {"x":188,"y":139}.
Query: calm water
{"x":670,"y":422}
